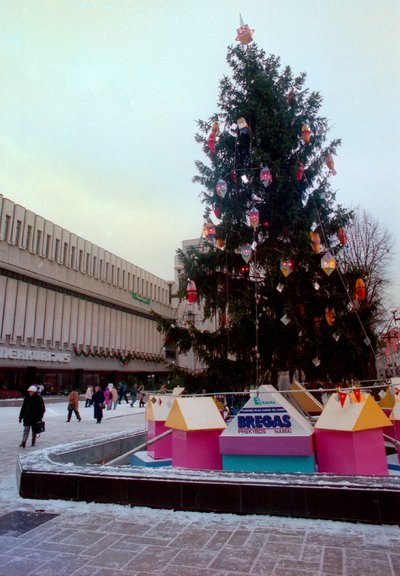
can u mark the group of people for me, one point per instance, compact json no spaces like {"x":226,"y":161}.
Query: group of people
{"x":33,"y":408}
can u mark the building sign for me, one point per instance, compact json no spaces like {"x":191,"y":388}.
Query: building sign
{"x":140,"y":298}
{"x":34,"y":355}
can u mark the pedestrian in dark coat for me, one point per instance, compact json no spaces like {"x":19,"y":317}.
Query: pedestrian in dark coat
{"x":31,"y":413}
{"x":98,"y":403}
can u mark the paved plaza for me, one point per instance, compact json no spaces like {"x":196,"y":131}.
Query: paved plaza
{"x":57,"y":538}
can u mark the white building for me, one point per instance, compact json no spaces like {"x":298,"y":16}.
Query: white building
{"x":72,"y":313}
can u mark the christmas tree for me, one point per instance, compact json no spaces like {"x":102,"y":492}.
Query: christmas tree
{"x":268,"y":267}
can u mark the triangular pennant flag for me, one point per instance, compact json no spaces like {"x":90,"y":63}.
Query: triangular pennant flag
{"x":342,"y":397}
{"x":357,"y":394}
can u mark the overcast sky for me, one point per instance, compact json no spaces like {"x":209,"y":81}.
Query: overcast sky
{"x":99,"y":101}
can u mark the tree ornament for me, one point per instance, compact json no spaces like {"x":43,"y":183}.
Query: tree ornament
{"x":221,"y":188}
{"x":254,"y":217}
{"x":330,"y":315}
{"x":213,"y":136}
{"x":315,"y":242}
{"x":244,"y":33}
{"x":217,"y":210}
{"x":330,"y":163}
{"x":360,"y":291}
{"x":306,"y":133}
{"x":233,"y":176}
{"x":328,"y":263}
{"x":246,"y":251}
{"x":286,"y":266}
{"x":299,"y":170}
{"x":191,"y":291}
{"x":209,"y":231}
{"x":243,"y":143}
{"x":265,"y":176}
{"x":220,"y":242}
{"x":291,"y":96}
{"x":342,"y":235}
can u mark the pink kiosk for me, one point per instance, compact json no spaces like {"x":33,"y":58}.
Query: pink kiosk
{"x":349,"y":437}
{"x":157,"y":410}
{"x":196,"y":424}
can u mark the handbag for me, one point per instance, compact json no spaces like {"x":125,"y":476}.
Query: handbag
{"x":71,"y":407}
{"x":102,"y":406}
{"x":39,"y":427}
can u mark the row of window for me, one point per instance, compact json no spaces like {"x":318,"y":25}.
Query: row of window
{"x":78,"y":259}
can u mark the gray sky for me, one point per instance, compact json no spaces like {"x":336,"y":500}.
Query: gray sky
{"x":99,"y":101}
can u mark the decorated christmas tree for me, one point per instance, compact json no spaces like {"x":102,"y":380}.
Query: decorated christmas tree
{"x":267,"y":270}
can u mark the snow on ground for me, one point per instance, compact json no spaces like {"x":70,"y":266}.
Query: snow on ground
{"x":124,"y":420}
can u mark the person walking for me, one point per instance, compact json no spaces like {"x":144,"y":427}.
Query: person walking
{"x":141,"y":396}
{"x":114,"y":397}
{"x":133,"y":394}
{"x":98,"y":403}
{"x":108,"y":396}
{"x":31,"y":413}
{"x":88,"y":396}
{"x":122,"y":392}
{"x":73,"y":405}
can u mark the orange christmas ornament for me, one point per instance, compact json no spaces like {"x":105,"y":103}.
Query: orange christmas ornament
{"x":315,"y":242}
{"x":330,"y":315}
{"x":244,"y":33}
{"x":306,"y":133}
{"x":359,"y":292}
{"x":342,"y":235}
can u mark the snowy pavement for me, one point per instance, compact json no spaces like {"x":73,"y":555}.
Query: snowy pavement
{"x":77,"y":538}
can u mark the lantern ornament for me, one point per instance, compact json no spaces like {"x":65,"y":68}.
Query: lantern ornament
{"x":244,"y":33}
{"x":342,"y":235}
{"x":299,"y":171}
{"x":191,"y":291}
{"x":306,"y":133}
{"x":330,"y":163}
{"x":328,"y":263}
{"x":209,"y":231}
{"x":213,"y":136}
{"x":286,"y":266}
{"x":315,"y":242}
{"x":220,"y":242}
{"x":221,"y":188}
{"x":265,"y":176}
{"x":246,"y":251}
{"x":330,"y":315}
{"x":254,"y":217}
{"x":217,"y":210}
{"x":359,"y":292}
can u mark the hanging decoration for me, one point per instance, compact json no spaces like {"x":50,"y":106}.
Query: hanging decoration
{"x":217,"y":210}
{"x":328,"y":263}
{"x":330,"y":163}
{"x":220,"y":242}
{"x":243,"y":142}
{"x":357,"y":393}
{"x":191,"y":291}
{"x":315,"y":242}
{"x":299,"y":171}
{"x":330,"y":315}
{"x":209,"y":231}
{"x":291,"y":96}
{"x":342,"y":397}
{"x":342,"y":235}
{"x":213,"y":136}
{"x":246,"y":251}
{"x":244,"y":33}
{"x":233,"y":176}
{"x":265,"y":176}
{"x":359,"y":292}
{"x":221,"y":188}
{"x":254,"y":217}
{"x":286,"y":266}
{"x":306,"y":133}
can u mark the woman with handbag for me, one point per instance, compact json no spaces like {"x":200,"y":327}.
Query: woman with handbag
{"x":98,"y":403}
{"x":73,"y":405}
{"x":31,"y":414}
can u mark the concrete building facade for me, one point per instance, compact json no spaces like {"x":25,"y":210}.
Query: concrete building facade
{"x":72,"y":313}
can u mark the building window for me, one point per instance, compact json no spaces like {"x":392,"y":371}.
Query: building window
{"x":107,"y":271}
{"x":18,"y":228}
{"x":94,"y":265}
{"x":123,"y":278}
{"x":87,"y":263}
{"x":118,"y":275}
{"x":112,"y":273}
{"x":80,"y":260}
{"x":57,"y":250}
{"x":28,"y":237}
{"x":48,"y":246}
{"x":6,"y":227}
{"x":101,"y":269}
{"x":38,"y":241}
{"x":72,"y":264}
{"x":65,"y":254}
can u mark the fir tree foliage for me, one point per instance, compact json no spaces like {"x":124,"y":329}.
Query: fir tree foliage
{"x":267,"y":322}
